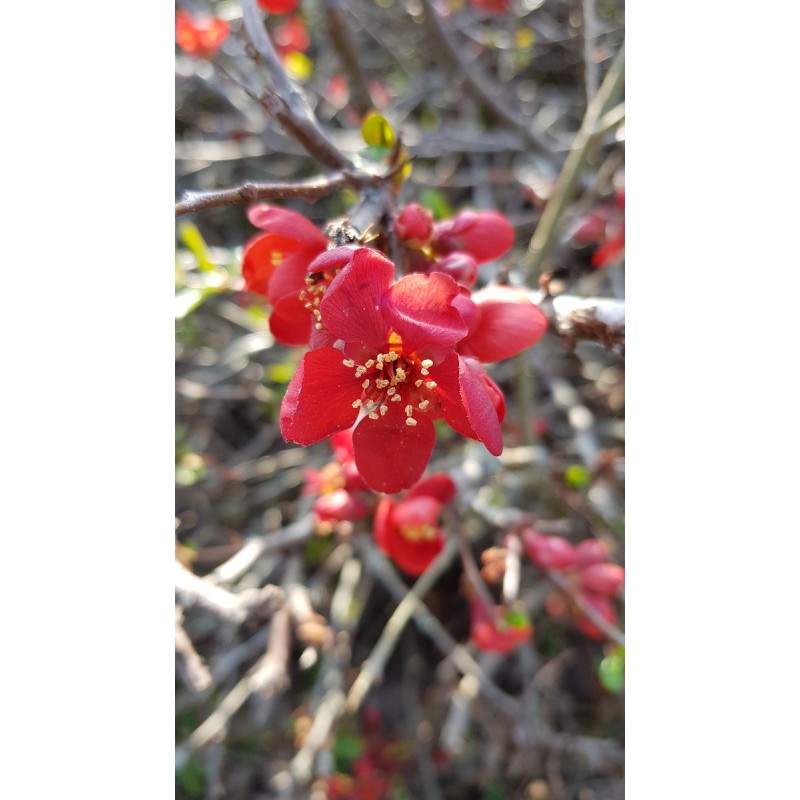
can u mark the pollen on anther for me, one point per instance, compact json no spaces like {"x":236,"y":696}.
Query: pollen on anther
{"x":431,"y":384}
{"x":400,"y":374}
{"x":423,"y":372}
{"x":411,"y":421}
{"x":384,"y":408}
{"x":391,"y":391}
{"x":356,"y":403}
{"x":409,"y":409}
{"x":360,"y":371}
{"x":348,"y":362}
{"x":381,"y":383}
{"x":424,"y":404}
{"x":365,"y":385}
{"x":318,"y":326}
{"x":396,"y":398}
{"x":427,"y":363}
{"x":370,"y":363}
{"x":418,"y":383}
{"x":372,"y":415}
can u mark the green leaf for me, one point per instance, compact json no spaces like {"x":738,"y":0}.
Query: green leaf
{"x":577,"y":476}
{"x":346,"y":749}
{"x":612,"y":671}
{"x":193,"y":239}
{"x":376,"y":152}
{"x":377,"y":132}
{"x":189,"y":299}
{"x":517,"y":619}
{"x":436,"y":203}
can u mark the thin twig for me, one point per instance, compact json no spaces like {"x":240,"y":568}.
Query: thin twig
{"x":380,"y":567}
{"x":193,"y":669}
{"x":589,"y":31}
{"x":372,"y":668}
{"x":545,"y":234}
{"x":481,"y":87}
{"x":285,"y":102}
{"x":309,"y":190}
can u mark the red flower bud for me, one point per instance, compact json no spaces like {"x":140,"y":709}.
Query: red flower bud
{"x":278,"y":6}
{"x":461,"y":267}
{"x":602,"y":605}
{"x":485,"y":235}
{"x":413,"y":225}
{"x":590,"y":551}
{"x":603,"y":579}
{"x":199,"y":36}
{"x":549,"y":552}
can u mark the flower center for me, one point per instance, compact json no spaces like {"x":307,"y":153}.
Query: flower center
{"x":418,"y":533}
{"x":317,"y":284}
{"x":393,"y":377}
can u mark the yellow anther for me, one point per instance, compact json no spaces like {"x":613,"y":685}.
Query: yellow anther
{"x":431,"y":384}
{"x":424,"y":404}
{"x":418,"y":383}
{"x":427,"y":363}
{"x":348,"y":362}
{"x":400,"y":374}
{"x":370,"y":363}
{"x":360,"y":371}
{"x":391,"y":391}
{"x":396,"y":398}
{"x":318,"y":326}
{"x":381,"y":383}
{"x":365,"y":385}
{"x":356,"y":404}
{"x":384,"y":409}
{"x":411,"y":421}
{"x":409,"y":410}
{"x":423,"y":371}
{"x":373,"y":415}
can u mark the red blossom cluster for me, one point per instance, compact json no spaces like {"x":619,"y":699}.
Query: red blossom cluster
{"x":407,"y":529}
{"x":605,"y":228}
{"x":591,"y":579}
{"x":199,"y":36}
{"x":389,"y":357}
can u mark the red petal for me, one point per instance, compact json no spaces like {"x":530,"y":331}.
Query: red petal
{"x":287,"y":223}
{"x":466,"y":405}
{"x":485,"y":235}
{"x":261,"y":258}
{"x":415,"y":557}
{"x":418,"y":308}
{"x":318,"y":401}
{"x":351,"y":308}
{"x":341,"y":505}
{"x":390,"y":455}
{"x":603,"y":578}
{"x":415,"y":511}
{"x":291,"y":322}
{"x":336,"y":258}
{"x":382,"y":524}
{"x":590,"y":551}
{"x":290,"y":276}
{"x":508,"y":323}
{"x":439,"y":486}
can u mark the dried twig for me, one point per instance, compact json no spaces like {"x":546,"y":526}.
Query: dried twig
{"x":193,"y":669}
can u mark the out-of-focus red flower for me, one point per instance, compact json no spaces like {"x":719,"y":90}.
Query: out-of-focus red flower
{"x":501,"y":632}
{"x":278,"y":6}
{"x":502,"y":322}
{"x":485,"y":235}
{"x":591,"y":579}
{"x":292,"y":266}
{"x":291,"y":35}
{"x":605,"y":227}
{"x":461,"y":267}
{"x":199,"y":36}
{"x":343,"y":496}
{"x":338,"y":92}
{"x":493,"y":6}
{"x":408,"y":530}
{"x":396,"y":372}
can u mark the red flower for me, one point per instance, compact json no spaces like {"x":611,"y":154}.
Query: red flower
{"x":199,"y":36}
{"x":291,"y":35}
{"x":461,"y":267}
{"x":502,"y":633}
{"x":502,"y":322}
{"x":278,"y":264}
{"x":278,"y":6}
{"x":605,"y":227}
{"x":408,"y":530}
{"x":485,"y":235}
{"x":394,"y":372}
